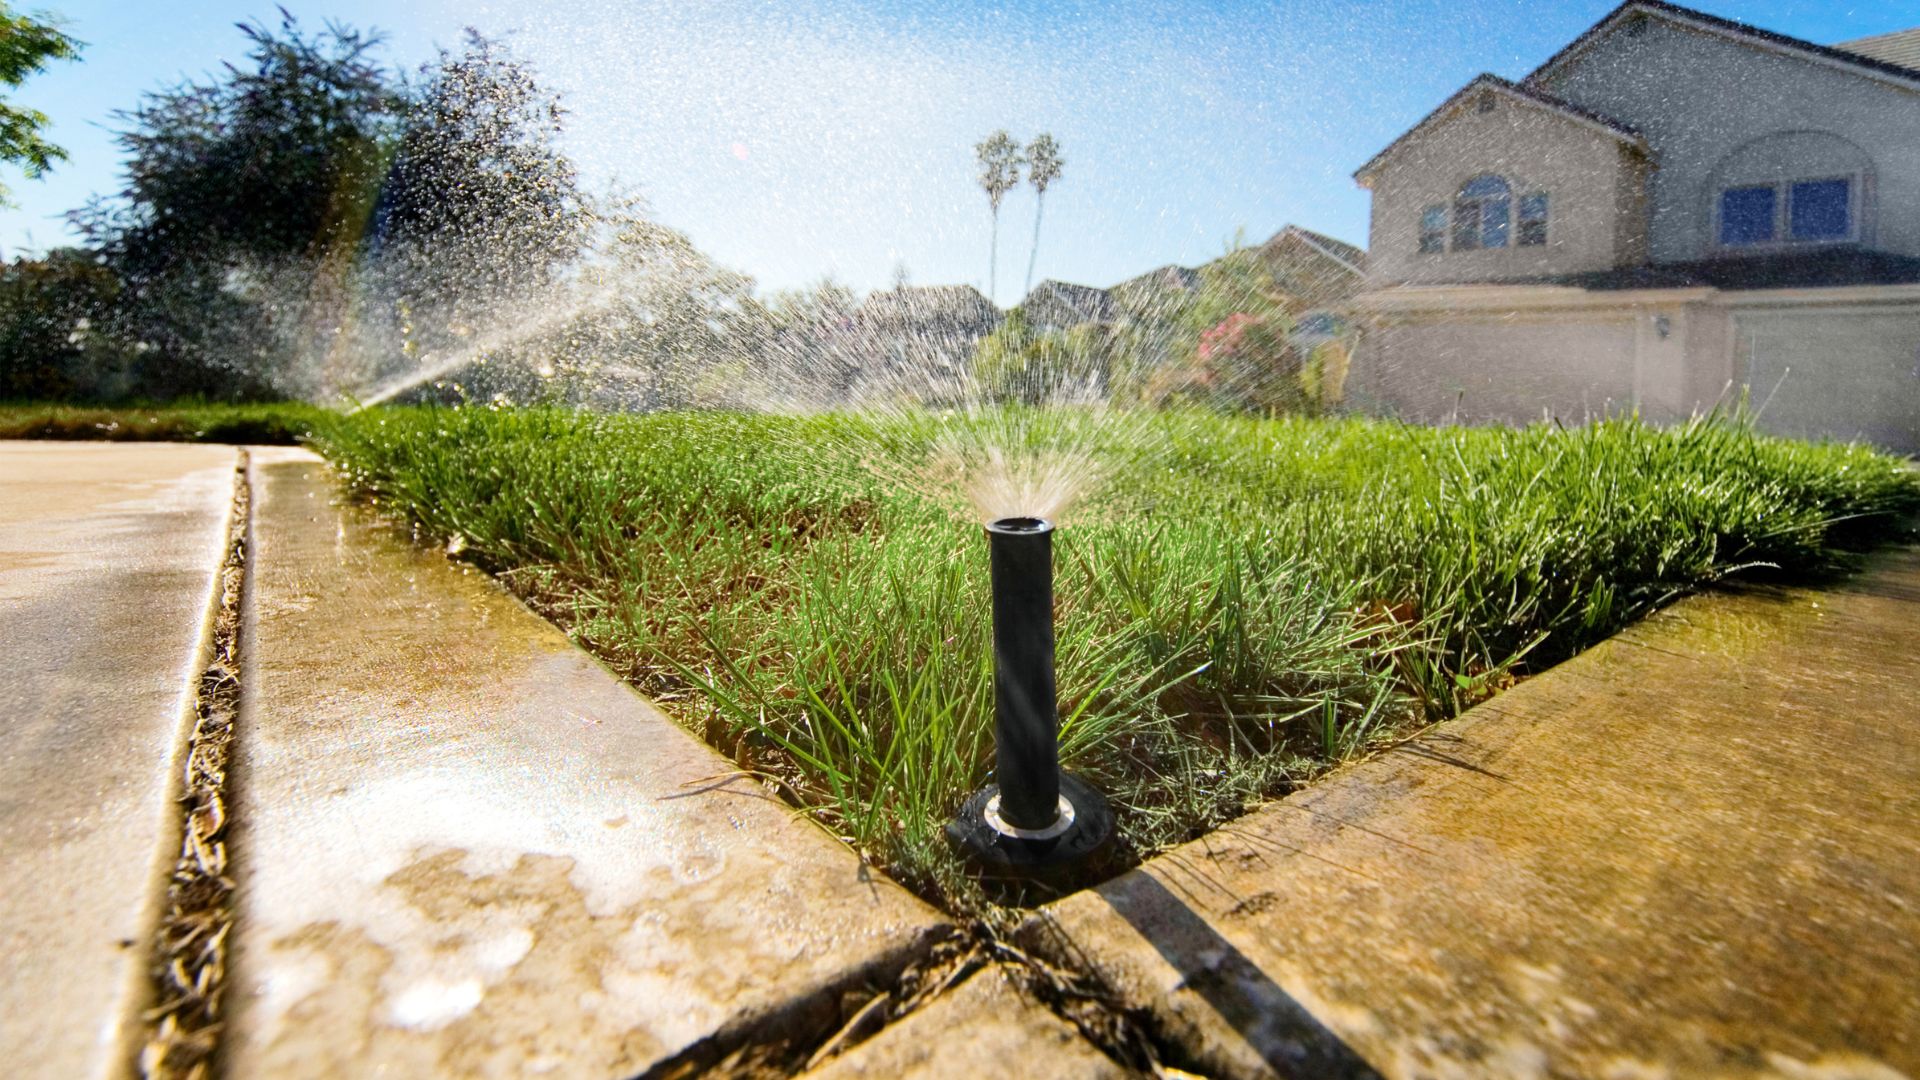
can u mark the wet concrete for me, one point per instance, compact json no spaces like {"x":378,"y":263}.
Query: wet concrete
{"x":108,"y":556}
{"x":466,"y":849}
{"x":1692,"y":851}
{"x":987,"y":1026}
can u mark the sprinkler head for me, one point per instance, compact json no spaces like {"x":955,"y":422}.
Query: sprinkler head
{"x":1034,"y":821}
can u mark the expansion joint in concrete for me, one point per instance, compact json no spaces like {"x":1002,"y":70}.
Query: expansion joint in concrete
{"x":1075,"y":996}
{"x":189,"y":947}
{"x":806,"y":1029}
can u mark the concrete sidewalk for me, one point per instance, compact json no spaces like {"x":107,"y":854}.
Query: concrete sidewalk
{"x":465,"y":849}
{"x":1692,"y":851}
{"x":108,"y":561}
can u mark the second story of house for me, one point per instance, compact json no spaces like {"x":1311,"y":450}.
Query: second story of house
{"x":1661,"y":136}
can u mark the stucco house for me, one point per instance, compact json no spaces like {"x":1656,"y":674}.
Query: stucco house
{"x":1062,"y":305}
{"x":1672,"y":205}
{"x":916,"y":342}
{"x":1320,"y":271}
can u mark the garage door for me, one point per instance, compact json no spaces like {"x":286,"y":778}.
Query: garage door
{"x":1848,"y":375}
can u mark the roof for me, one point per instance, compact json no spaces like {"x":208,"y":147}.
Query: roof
{"x":1091,"y":304}
{"x":1901,"y":48}
{"x":1347,"y":255}
{"x":926,"y":297}
{"x":924,"y":302}
{"x":1527,"y":95}
{"x":1170,"y":276}
{"x":1863,"y":63}
{"x":1782,"y":270}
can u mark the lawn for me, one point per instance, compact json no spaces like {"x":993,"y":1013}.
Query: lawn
{"x":279,"y":423}
{"x":1240,"y":604}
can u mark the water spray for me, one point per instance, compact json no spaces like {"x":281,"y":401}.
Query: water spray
{"x":1034,"y":820}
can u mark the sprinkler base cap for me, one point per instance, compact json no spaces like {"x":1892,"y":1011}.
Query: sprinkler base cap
{"x":1041,"y":855}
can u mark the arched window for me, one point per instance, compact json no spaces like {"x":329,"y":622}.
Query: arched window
{"x":1791,"y":187}
{"x":1482,"y":213}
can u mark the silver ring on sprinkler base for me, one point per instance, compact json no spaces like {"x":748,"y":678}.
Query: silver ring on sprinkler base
{"x":999,"y":824}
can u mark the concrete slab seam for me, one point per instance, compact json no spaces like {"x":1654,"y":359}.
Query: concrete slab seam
{"x":791,"y":1031}
{"x":179,"y":1033}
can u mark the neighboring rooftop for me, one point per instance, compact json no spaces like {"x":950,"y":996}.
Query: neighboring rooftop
{"x":1080,"y":303}
{"x":1902,"y":47}
{"x":1354,"y":258}
{"x":1170,"y":276}
{"x":1349,"y":256}
{"x":928,"y":301}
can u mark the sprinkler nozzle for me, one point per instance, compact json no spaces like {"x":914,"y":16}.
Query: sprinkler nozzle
{"x":1033,"y":818}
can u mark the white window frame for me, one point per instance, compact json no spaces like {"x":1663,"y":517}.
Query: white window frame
{"x":1514,"y":198}
{"x":1783,"y":214}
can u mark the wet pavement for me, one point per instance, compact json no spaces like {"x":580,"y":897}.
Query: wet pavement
{"x":1691,"y":851}
{"x":107,"y":571}
{"x":466,"y":849}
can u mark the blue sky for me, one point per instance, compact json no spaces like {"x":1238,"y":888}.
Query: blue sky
{"x":796,"y":138}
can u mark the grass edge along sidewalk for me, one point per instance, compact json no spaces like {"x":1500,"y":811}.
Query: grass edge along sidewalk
{"x":1251,"y":601}
{"x":1684,"y":852}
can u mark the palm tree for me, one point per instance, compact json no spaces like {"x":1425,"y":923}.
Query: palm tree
{"x":1043,"y":168}
{"x":999,"y":173}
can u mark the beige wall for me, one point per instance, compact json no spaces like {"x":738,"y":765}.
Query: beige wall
{"x":1840,"y":363}
{"x":1583,"y":171}
{"x":1716,"y":112}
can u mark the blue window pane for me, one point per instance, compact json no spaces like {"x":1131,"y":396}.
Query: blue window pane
{"x":1533,"y":220}
{"x":1493,"y":223}
{"x":1466,"y":225}
{"x":1482,"y":186}
{"x":1817,"y":210}
{"x":1433,"y":230}
{"x":1746,"y":215}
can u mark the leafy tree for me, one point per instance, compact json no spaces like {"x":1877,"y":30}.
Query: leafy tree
{"x":230,"y":180}
{"x":26,"y":46}
{"x":277,"y":157}
{"x":1238,"y":282}
{"x":1245,"y":363}
{"x":1019,"y":363}
{"x":309,"y":215}
{"x":479,"y":203}
{"x":1000,"y":162}
{"x":53,"y":314}
{"x":1228,"y":344}
{"x":1043,"y":168}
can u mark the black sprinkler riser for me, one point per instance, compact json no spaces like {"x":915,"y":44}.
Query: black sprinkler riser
{"x":1026,"y":727}
{"x":1034,"y":823}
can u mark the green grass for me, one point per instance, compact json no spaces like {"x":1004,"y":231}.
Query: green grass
{"x":1249,"y":602}
{"x":281,"y":423}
